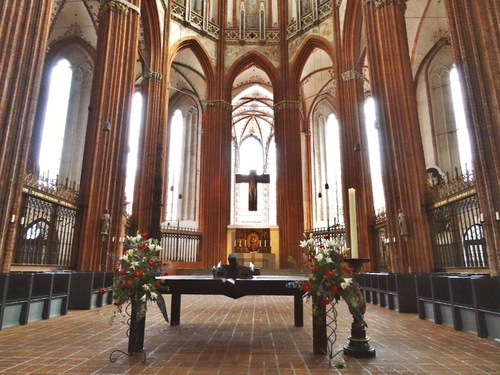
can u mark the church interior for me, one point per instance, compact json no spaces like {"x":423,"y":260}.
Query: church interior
{"x":239,"y":126}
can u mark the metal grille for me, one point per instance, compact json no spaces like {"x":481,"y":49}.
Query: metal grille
{"x":180,"y":245}
{"x":457,"y":234}
{"x":47,"y":234}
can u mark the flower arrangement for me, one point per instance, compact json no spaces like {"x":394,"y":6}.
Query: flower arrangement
{"x":330,"y":275}
{"x":135,"y":278}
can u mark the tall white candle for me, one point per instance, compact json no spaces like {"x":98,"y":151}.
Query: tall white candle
{"x":353,"y":222}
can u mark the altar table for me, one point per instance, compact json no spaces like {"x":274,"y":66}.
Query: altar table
{"x":208,"y":285}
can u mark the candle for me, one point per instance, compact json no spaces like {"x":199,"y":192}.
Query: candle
{"x":353,"y":222}
{"x":265,"y":243}
{"x":497,"y":215}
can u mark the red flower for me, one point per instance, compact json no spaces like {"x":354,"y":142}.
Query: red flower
{"x":127,"y":283}
{"x":157,"y":285}
{"x":306,"y":287}
{"x":151,"y":263}
{"x":314,"y":268}
{"x":144,"y":234}
{"x":335,"y":289}
{"x":116,"y":302}
{"x":123,"y":271}
{"x":330,"y":273}
{"x":311,"y":258}
{"x":348,"y":270}
{"x":325,"y":301}
{"x":341,"y":255}
{"x":141,"y":246}
{"x":137,"y":273}
{"x":101,"y":290}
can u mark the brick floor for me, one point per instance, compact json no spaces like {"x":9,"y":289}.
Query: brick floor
{"x":256,"y":335}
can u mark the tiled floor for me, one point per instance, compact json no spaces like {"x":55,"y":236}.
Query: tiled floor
{"x":251,"y":335}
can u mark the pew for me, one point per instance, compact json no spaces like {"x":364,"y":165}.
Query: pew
{"x":441,"y":300}
{"x":60,"y":294}
{"x":41,"y":293}
{"x":84,"y":290}
{"x":402,"y":296}
{"x":424,"y":297}
{"x":381,"y":291}
{"x":486,"y":300}
{"x":15,"y":300}
{"x":462,"y":304}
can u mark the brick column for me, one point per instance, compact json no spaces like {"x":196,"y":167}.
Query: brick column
{"x":403,"y":167}
{"x":104,"y":165}
{"x":24,"y":30}
{"x":475,"y":32}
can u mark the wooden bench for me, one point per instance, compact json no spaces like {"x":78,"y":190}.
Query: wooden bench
{"x":425,"y":302}
{"x":441,"y":300}
{"x":60,"y":294}
{"x":486,"y":297}
{"x":462,"y":304}
{"x":15,"y":300}
{"x":90,"y":289}
{"x":40,"y":298}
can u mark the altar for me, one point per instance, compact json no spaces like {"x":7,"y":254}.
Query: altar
{"x":254,"y":245}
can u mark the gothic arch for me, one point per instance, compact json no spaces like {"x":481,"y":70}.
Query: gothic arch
{"x":246,"y":60}
{"x":203,"y":57}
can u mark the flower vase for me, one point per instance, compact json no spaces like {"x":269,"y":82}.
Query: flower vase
{"x":136,"y":330}
{"x":319,"y":327}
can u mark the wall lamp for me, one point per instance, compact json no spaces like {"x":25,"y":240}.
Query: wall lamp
{"x":106,"y":127}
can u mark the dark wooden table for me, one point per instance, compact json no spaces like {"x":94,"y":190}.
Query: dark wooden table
{"x":257,"y":286}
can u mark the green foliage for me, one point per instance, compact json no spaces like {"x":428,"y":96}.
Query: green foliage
{"x":135,"y":280}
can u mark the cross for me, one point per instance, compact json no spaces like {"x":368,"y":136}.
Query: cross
{"x":252,"y":179}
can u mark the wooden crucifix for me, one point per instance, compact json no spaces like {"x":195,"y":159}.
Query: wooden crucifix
{"x":252,"y":179}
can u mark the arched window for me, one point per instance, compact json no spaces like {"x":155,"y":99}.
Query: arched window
{"x":461,"y":124}
{"x":133,"y":147}
{"x":251,"y":156}
{"x":56,"y":114}
{"x":174,"y":166}
{"x":374,"y":152}
{"x":327,"y":170}
{"x":443,"y":123}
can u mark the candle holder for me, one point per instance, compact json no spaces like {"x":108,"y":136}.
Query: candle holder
{"x":358,"y":346}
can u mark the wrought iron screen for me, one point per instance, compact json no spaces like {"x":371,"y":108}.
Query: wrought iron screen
{"x":457,"y":234}
{"x":180,"y":244}
{"x":46,"y":236}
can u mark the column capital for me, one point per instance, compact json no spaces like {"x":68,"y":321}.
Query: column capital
{"x":118,"y":6}
{"x":351,"y":74}
{"x":220,"y":104}
{"x":287,"y":104}
{"x":382,"y":3}
{"x":155,"y":76}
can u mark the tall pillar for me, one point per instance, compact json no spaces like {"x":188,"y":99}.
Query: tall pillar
{"x":24,"y":30}
{"x":355,"y":153}
{"x":104,"y":165}
{"x":287,"y":128}
{"x":403,"y":166}
{"x":215,"y":202}
{"x":215,"y":175}
{"x":473,"y":27}
{"x":149,"y":181}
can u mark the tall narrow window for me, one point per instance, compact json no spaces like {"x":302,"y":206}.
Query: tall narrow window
{"x":174,"y":165}
{"x":55,"y":118}
{"x":133,"y":146}
{"x":461,"y":124}
{"x":333,"y":195}
{"x":374,"y":152}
